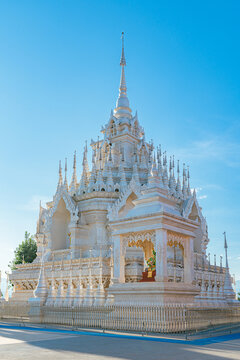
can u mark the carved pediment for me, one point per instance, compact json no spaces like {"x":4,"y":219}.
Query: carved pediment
{"x":70,"y":206}
{"x":191,"y":210}
{"x":132,"y":192}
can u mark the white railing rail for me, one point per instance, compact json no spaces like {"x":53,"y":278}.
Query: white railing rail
{"x":172,"y":318}
{"x":14,"y":311}
{"x":160,"y":319}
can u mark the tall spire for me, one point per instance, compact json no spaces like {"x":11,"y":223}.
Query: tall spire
{"x":84,"y":178}
{"x":172,"y":182}
{"x":225,"y":247}
{"x":65,"y":180}
{"x":73,"y":185}
{"x":85,"y":160}
{"x":93,"y":176}
{"x":160,"y":170}
{"x":178,"y":188}
{"x":165,"y":172}
{"x":184,"y":185}
{"x":60,"y":174}
{"x":228,"y":289}
{"x":122,"y":106}
{"x":188,"y":183}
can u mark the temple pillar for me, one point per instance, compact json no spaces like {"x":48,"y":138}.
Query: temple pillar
{"x":161,"y":255}
{"x":188,"y":261}
{"x":118,"y":259}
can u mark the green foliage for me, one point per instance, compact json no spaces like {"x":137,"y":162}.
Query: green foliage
{"x":239,"y":296}
{"x":26,"y":252}
{"x":152,"y":261}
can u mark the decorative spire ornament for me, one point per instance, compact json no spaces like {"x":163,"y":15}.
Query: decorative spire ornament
{"x":122,"y":109}
{"x":84,"y":178}
{"x":122,"y":175}
{"x":228,"y":289}
{"x":173,"y":174}
{"x":93,"y":176}
{"x":154,"y":171}
{"x":135,"y":174}
{"x":172,"y":183}
{"x":100,"y":185}
{"x":153,"y":178}
{"x":65,"y":180}
{"x":73,"y":184}
{"x":188,"y":183}
{"x":110,"y":183}
{"x":225,"y":247}
{"x":184,"y":185}
{"x":170,"y":169}
{"x":41,"y":290}
{"x":39,"y":218}
{"x":60,"y":180}
{"x":165,"y":171}
{"x":160,"y":169}
{"x":85,"y":160}
{"x":178,"y":187}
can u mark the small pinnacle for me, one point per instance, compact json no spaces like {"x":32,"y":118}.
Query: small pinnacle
{"x":65,"y":165}
{"x":74,"y":159}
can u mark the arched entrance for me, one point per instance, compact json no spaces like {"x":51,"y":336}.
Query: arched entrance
{"x":59,"y":230}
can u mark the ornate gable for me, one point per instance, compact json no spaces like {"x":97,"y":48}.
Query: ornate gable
{"x":70,"y":205}
{"x":191,"y":209}
{"x":132,"y":188}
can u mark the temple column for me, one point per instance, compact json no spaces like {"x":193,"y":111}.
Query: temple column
{"x":118,"y":259}
{"x":188,"y":261}
{"x":161,"y":255}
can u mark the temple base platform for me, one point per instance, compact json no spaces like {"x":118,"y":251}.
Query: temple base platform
{"x":153,"y":293}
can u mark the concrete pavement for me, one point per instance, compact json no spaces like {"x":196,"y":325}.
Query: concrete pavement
{"x":18,"y":343}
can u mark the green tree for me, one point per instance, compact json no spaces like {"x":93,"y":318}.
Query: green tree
{"x":239,"y":296}
{"x":26,"y":252}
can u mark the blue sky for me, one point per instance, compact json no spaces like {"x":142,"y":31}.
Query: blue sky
{"x":59,"y":77}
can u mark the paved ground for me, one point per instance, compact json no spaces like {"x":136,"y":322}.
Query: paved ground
{"x":18,"y":343}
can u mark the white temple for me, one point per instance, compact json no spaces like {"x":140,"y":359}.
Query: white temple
{"x":96,"y":236}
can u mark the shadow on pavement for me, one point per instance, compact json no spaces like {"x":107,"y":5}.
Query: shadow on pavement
{"x":35,"y":344}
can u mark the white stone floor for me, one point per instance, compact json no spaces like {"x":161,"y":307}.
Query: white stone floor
{"x":19,"y":344}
